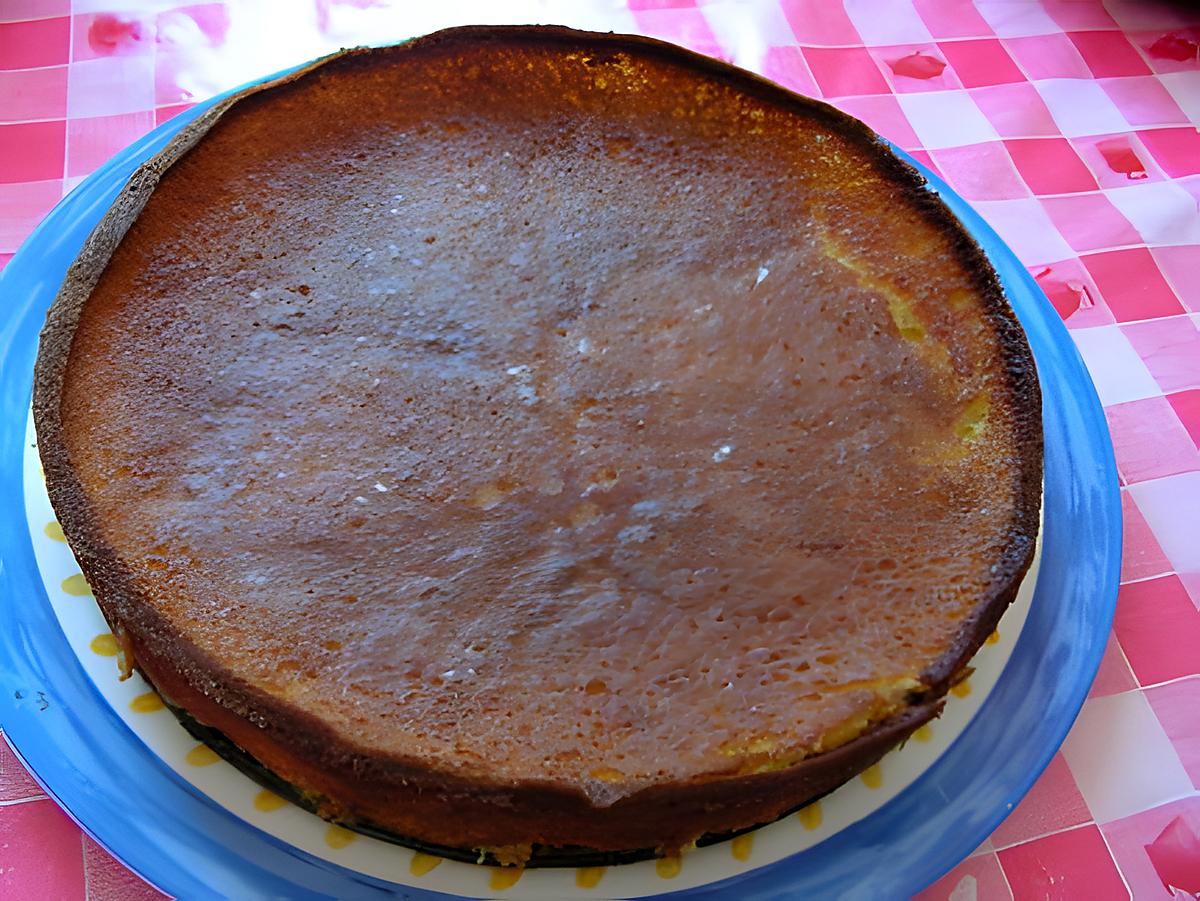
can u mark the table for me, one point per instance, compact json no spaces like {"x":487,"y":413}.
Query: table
{"x":1070,"y":125}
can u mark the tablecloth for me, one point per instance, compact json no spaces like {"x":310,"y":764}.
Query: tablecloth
{"x":1070,"y":125}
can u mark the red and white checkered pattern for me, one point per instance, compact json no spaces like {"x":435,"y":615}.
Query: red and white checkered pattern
{"x":1071,"y":126}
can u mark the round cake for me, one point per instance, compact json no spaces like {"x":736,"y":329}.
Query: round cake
{"x":524,"y":439}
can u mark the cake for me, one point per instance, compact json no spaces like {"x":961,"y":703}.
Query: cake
{"x":522,"y":439}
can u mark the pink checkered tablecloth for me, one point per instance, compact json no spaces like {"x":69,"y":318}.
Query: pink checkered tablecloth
{"x":1070,"y":125}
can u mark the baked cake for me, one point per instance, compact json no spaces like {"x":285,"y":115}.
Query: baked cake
{"x":526,"y":438}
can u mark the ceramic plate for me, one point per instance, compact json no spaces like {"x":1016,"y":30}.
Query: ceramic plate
{"x":195,"y":827}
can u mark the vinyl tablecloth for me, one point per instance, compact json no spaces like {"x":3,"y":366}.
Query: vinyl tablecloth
{"x":1070,"y":125}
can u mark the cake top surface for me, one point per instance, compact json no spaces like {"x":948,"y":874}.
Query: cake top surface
{"x":542,"y":406}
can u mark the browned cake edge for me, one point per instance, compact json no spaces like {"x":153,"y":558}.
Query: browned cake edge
{"x":441,"y":807}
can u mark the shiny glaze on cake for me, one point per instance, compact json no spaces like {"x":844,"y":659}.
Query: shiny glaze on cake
{"x":526,"y":436}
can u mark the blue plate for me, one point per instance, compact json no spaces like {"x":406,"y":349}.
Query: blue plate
{"x":160,"y":826}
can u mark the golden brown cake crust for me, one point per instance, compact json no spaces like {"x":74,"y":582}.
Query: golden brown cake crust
{"x":607,"y":447}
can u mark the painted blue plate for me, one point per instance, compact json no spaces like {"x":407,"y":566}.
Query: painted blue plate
{"x":162,"y":827}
